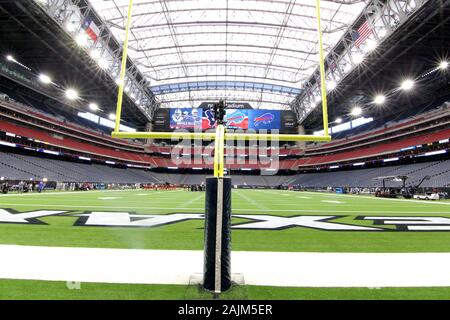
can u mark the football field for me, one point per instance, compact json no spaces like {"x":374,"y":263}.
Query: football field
{"x":265,"y":221}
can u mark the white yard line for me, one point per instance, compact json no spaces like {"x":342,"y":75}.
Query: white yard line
{"x":375,"y":198}
{"x":288,"y":269}
{"x":252,"y":202}
{"x":202,"y":209}
{"x":186,"y":204}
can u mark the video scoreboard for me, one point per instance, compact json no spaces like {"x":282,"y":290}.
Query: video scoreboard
{"x":242,"y":117}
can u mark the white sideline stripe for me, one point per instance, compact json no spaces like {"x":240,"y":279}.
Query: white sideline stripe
{"x":349,"y":212}
{"x":108,"y":198}
{"x":287,"y":269}
{"x":331,"y":201}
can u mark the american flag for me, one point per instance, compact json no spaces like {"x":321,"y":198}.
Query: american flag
{"x":364,"y":32}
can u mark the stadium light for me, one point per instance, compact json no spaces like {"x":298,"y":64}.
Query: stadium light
{"x":380,"y":99}
{"x":407,"y":85}
{"x":338,"y":120}
{"x":45,"y":79}
{"x":2,"y":178}
{"x":112,"y":116}
{"x":332,"y":85}
{"x":357,"y":111}
{"x":10,"y":58}
{"x":81,"y":39}
{"x":443,"y":65}
{"x":70,"y":27}
{"x":103,"y":63}
{"x":358,"y":58}
{"x":93,"y":106}
{"x":371,"y":45}
{"x":71,"y":94}
{"x":95,"y":54}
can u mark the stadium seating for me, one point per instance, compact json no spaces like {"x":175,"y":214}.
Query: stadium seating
{"x":438,"y":170}
{"x":23,"y":167}
{"x":71,"y":138}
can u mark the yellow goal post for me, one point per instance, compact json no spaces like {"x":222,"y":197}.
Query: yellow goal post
{"x":220,"y":136}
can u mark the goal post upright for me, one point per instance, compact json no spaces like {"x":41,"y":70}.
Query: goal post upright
{"x":123,"y":68}
{"x":217,"y":270}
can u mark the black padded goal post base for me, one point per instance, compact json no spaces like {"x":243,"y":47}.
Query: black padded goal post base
{"x":217,"y":264}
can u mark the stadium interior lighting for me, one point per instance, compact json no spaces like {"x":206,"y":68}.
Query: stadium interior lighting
{"x":95,"y":54}
{"x":93,"y":106}
{"x":118,"y":81}
{"x":45,"y":79}
{"x":70,"y":27}
{"x":71,"y":94}
{"x":338,"y":120}
{"x":358,"y":58}
{"x":2,"y":178}
{"x":112,"y":116}
{"x":407,"y":85}
{"x":443,"y":65}
{"x":81,"y":39}
{"x":371,"y":45}
{"x":332,"y":85}
{"x":356,"y":111}
{"x":380,"y":99}
{"x":9,"y":58}
{"x":103,"y":63}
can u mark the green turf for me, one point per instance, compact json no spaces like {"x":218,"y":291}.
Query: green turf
{"x":48,"y":290}
{"x":60,"y":231}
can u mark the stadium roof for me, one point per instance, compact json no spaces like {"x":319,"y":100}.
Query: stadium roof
{"x":256,"y":51}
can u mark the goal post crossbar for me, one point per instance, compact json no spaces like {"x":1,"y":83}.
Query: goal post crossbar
{"x":212,"y":136}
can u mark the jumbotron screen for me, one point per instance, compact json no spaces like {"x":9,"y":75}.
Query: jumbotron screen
{"x":197,"y":118}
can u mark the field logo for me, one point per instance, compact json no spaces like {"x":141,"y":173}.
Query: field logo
{"x":256,"y":222}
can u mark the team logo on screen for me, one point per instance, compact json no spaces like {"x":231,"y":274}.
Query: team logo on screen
{"x":251,"y":222}
{"x":237,"y":119}
{"x":265,"y":119}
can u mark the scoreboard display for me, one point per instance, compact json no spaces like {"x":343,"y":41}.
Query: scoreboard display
{"x":244,"y":119}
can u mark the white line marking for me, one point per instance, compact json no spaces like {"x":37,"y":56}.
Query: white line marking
{"x":330,"y":201}
{"x":286,"y":269}
{"x":108,"y":198}
{"x":251,"y":201}
{"x":202,"y":209}
{"x":375,"y":198}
